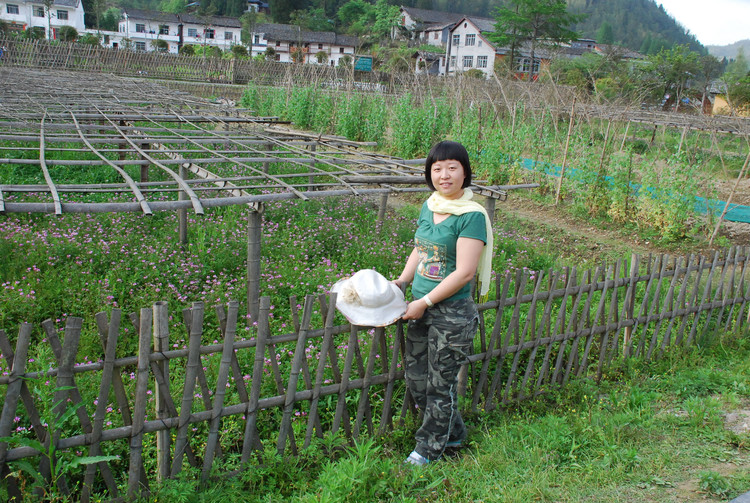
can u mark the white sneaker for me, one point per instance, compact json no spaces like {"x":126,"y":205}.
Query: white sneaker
{"x":416,"y":458}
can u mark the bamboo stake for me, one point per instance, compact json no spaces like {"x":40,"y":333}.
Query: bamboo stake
{"x":729,"y":199}
{"x":251,"y":439}
{"x":188,"y":390}
{"x":565,"y":153}
{"x":221,"y":389}
{"x":137,"y":486}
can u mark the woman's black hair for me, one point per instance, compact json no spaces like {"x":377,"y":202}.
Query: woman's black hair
{"x":445,"y":150}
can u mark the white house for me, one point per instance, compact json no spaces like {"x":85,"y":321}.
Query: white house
{"x":22,"y":15}
{"x":290,"y":43}
{"x":469,"y":48}
{"x":144,"y":28}
{"x":428,"y":26}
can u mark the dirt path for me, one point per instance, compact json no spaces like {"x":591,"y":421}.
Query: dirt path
{"x":581,"y":242}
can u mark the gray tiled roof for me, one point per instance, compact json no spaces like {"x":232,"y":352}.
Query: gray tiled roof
{"x":223,"y":21}
{"x":152,"y":15}
{"x":432,"y":16}
{"x":484,"y":24}
{"x":292,"y":33}
{"x":167,"y":17}
{"x":66,"y":3}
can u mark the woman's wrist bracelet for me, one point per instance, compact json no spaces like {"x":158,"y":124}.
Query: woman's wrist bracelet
{"x":427,"y":301}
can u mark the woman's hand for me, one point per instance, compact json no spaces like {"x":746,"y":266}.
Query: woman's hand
{"x":415,"y":310}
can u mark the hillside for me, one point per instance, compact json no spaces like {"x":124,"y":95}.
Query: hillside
{"x":730,"y":51}
{"x":640,"y":25}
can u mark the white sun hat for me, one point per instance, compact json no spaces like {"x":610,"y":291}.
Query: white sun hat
{"x":368,"y":299}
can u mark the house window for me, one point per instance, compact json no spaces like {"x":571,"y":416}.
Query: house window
{"x":228,"y":35}
{"x":11,"y":8}
{"x":140,"y":28}
{"x":192,"y":32}
{"x":209,"y":33}
{"x":435,"y":35}
{"x":278,"y":43}
{"x":256,"y":40}
{"x":453,"y":62}
{"x":341,"y":50}
{"x":277,"y":57}
{"x":523,"y":64}
{"x":456,"y":39}
{"x":140,"y":46}
{"x":163,"y":29}
{"x":481,"y":61}
{"x":468,"y":61}
{"x":38,"y":11}
{"x":62,"y":15}
{"x":471,"y":39}
{"x":320,"y":46}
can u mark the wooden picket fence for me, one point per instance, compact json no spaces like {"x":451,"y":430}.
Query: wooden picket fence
{"x":174,"y":67}
{"x":246,"y":394}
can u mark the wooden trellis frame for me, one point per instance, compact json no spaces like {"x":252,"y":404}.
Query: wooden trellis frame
{"x":176,"y":139}
{"x":538,"y":333}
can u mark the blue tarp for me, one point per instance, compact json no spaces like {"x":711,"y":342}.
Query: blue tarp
{"x":735,"y":213}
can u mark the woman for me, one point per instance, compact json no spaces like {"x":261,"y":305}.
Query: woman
{"x":453,"y":242}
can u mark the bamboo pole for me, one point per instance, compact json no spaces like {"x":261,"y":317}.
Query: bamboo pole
{"x":161,"y":344}
{"x":254,"y":236}
{"x":729,"y":199}
{"x":136,"y":485}
{"x":565,"y":153}
{"x":221,"y":390}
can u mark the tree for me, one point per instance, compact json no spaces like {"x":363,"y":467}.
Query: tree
{"x":110,"y":19}
{"x":535,"y":22}
{"x":282,"y":9}
{"x":669,"y":71}
{"x":311,"y":19}
{"x":67,"y":34}
{"x":386,"y":17}
{"x":738,"y":94}
{"x":48,"y":9}
{"x":160,"y":45}
{"x":356,"y":17}
{"x":605,"y":34}
{"x":709,"y":68}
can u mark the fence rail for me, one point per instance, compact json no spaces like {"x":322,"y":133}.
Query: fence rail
{"x":540,"y":331}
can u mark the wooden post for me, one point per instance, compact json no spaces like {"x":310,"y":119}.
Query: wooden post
{"x":625,"y":136}
{"x":489,"y":205}
{"x":161,"y":344}
{"x":144,"y":167}
{"x":382,"y":210}
{"x":604,"y":152}
{"x":266,"y":148}
{"x":629,"y":306}
{"x":682,"y":139}
{"x":254,"y":233}
{"x":311,"y":178}
{"x":182,"y":213}
{"x":565,"y":153}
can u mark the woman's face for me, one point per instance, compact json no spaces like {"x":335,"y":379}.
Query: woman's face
{"x":448,"y":178}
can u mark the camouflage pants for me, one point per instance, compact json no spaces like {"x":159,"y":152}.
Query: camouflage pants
{"x":436,"y":346}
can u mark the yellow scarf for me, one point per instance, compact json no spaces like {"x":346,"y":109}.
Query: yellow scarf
{"x":438,"y":204}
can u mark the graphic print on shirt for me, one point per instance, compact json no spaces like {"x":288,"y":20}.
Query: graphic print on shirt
{"x":432,"y":259}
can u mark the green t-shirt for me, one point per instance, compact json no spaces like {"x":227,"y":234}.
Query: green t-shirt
{"x":436,"y":245}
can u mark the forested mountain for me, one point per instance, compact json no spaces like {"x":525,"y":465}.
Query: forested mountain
{"x":730,"y":51}
{"x":640,"y":25}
